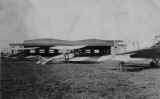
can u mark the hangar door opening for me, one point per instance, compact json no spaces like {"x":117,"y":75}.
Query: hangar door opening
{"x":93,"y":51}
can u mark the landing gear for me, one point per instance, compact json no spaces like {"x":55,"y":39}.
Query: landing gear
{"x":152,"y":64}
{"x":155,"y":62}
{"x":66,"y":58}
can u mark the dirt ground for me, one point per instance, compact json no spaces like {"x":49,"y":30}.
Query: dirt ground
{"x":27,"y":80}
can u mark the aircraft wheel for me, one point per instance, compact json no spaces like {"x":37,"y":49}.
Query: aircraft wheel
{"x":153,"y":64}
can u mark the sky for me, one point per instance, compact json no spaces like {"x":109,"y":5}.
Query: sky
{"x":106,"y":19}
{"x":79,"y":19}
{"x":15,"y":21}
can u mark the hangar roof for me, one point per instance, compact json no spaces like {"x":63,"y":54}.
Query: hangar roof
{"x":55,"y":42}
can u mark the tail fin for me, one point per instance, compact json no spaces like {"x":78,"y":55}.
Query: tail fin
{"x":41,"y":60}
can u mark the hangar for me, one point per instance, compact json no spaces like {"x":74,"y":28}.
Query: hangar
{"x":95,"y":47}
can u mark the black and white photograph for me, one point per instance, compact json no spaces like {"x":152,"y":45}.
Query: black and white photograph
{"x":79,"y":49}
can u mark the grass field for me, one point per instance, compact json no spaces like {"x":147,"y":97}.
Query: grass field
{"x":26,"y":80}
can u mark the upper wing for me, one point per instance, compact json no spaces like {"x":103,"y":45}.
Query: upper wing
{"x":68,"y":47}
{"x":151,"y":52}
{"x":135,"y":51}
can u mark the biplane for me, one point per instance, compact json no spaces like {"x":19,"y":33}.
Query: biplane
{"x":152,"y":53}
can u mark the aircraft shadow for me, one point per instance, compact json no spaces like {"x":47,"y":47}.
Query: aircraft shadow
{"x":137,"y":68}
{"x":74,"y":62}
